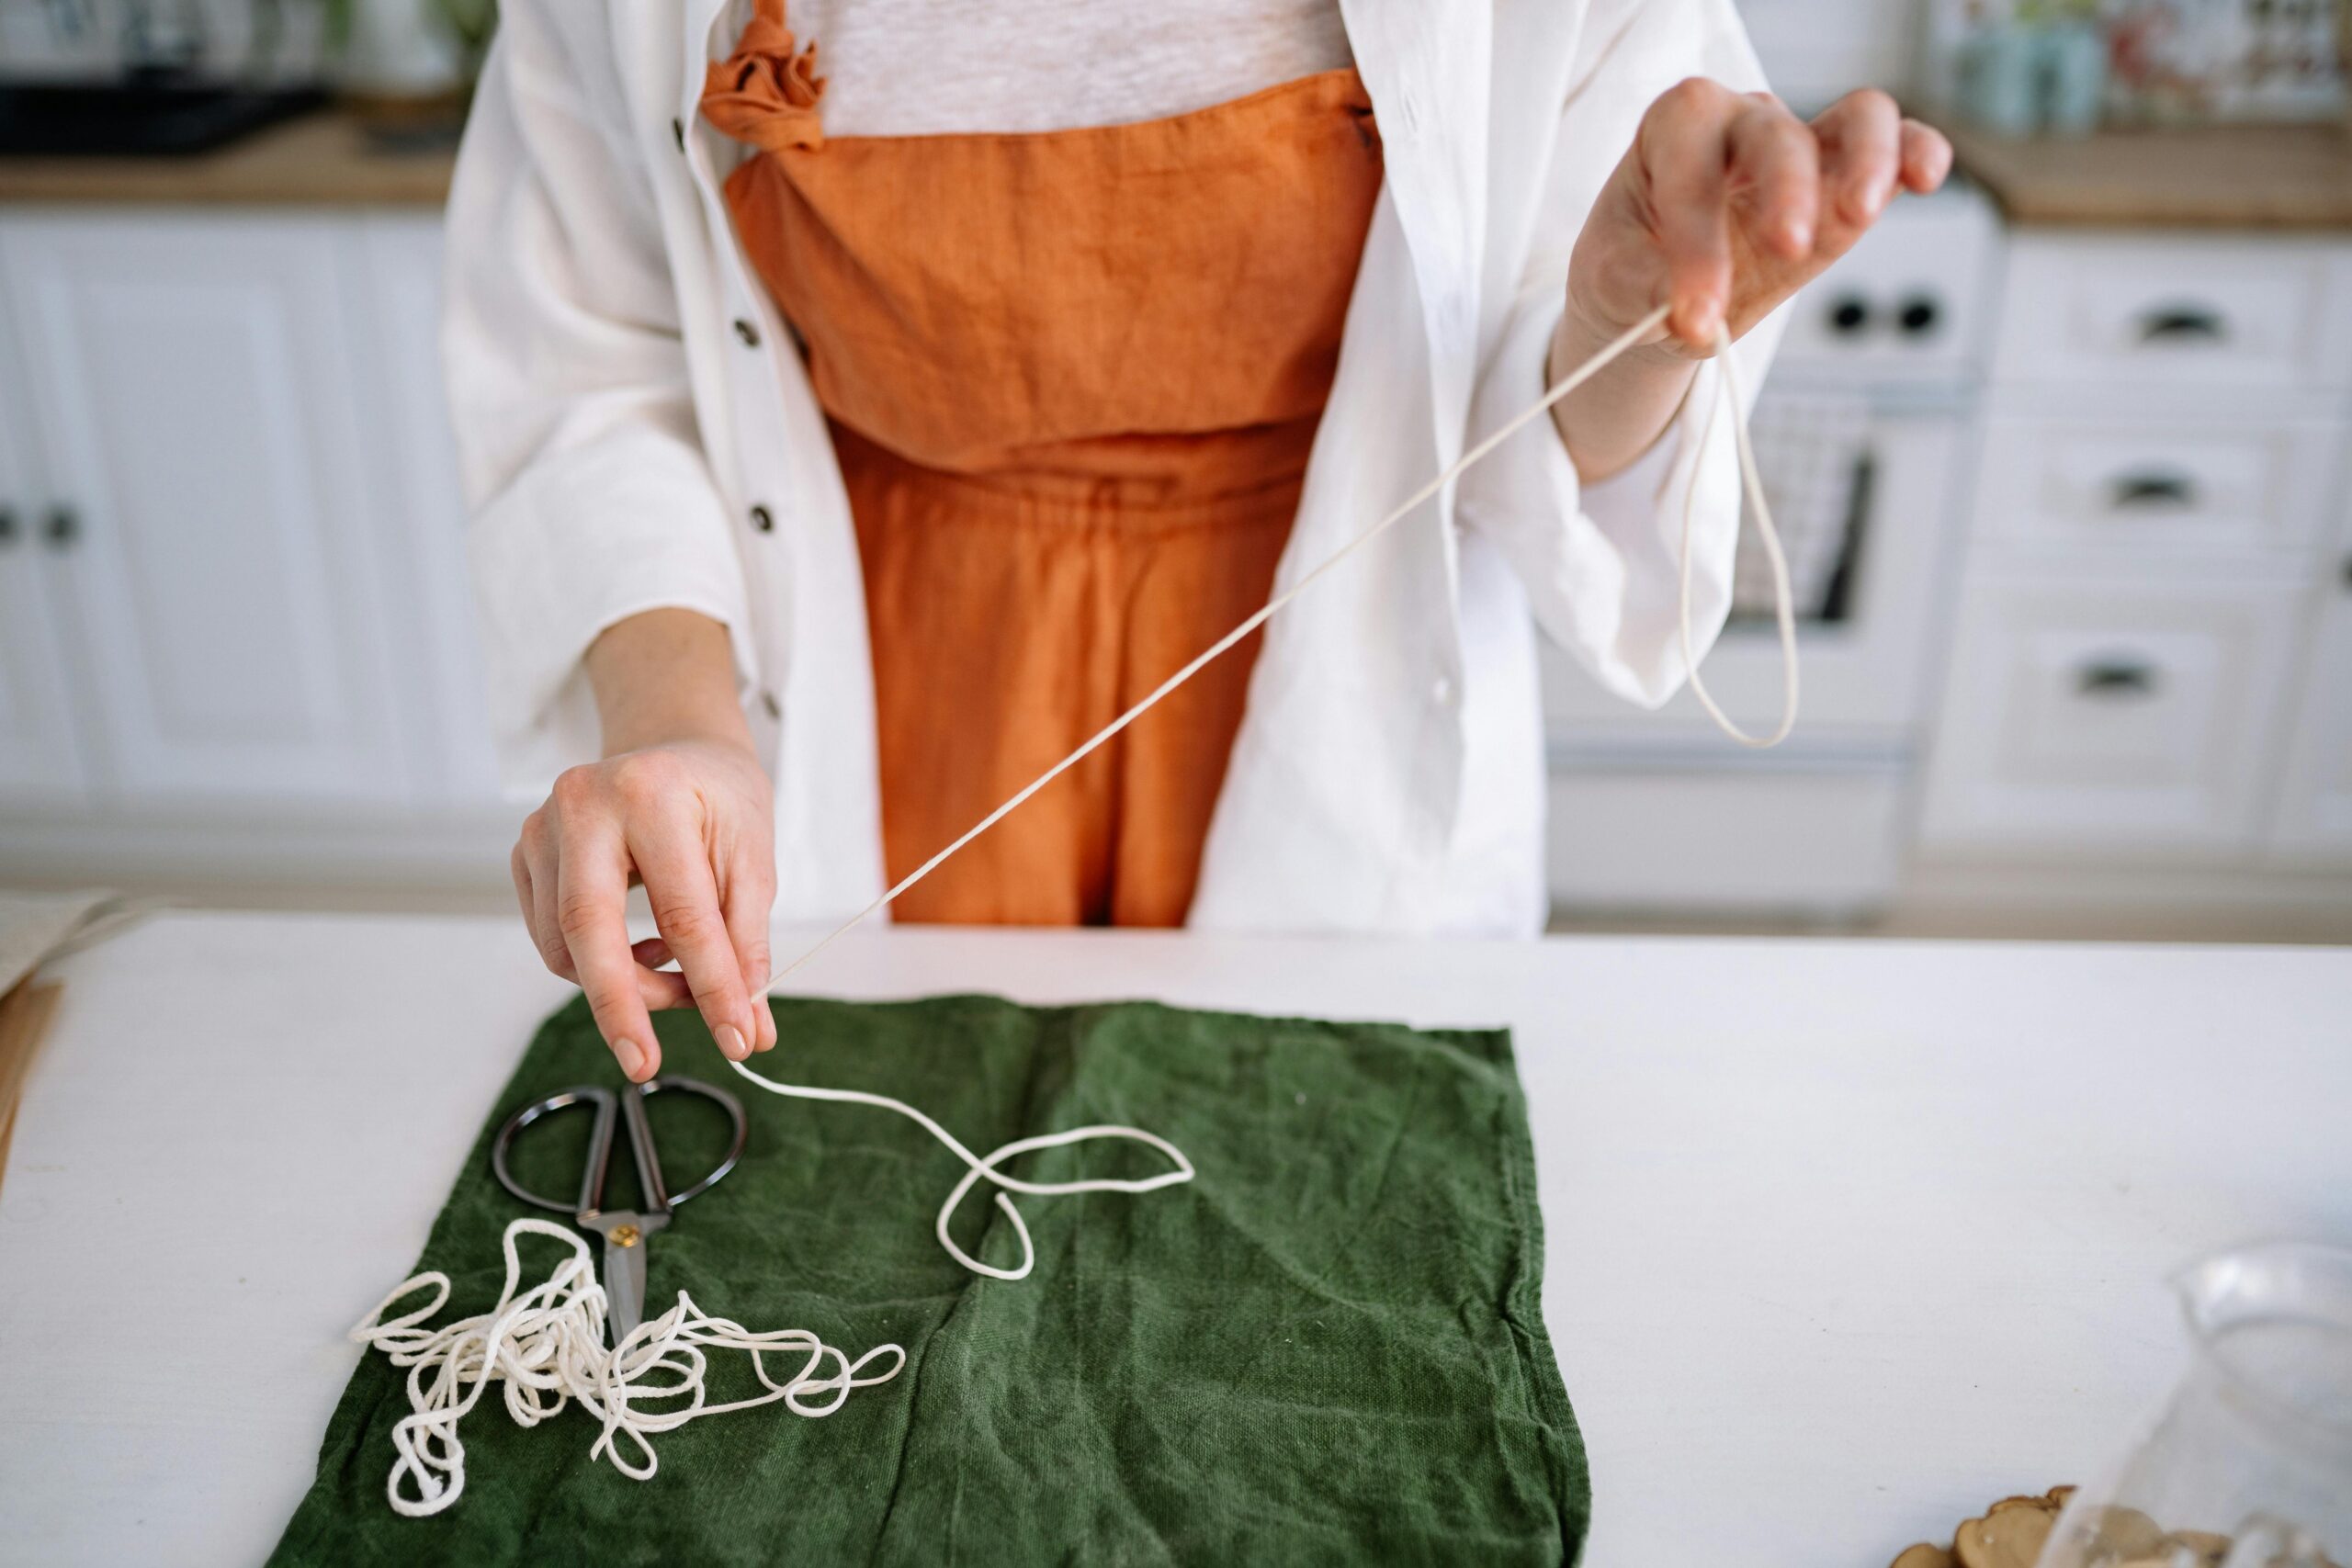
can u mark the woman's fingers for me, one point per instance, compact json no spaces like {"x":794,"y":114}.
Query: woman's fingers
{"x":1861,"y":159}
{"x":1682,"y":149}
{"x":1775,"y":177}
{"x":690,"y":820}
{"x":591,"y":905}
{"x":747,"y":894}
{"x":534,"y":865}
{"x":674,"y":865}
{"x":1926,"y":158}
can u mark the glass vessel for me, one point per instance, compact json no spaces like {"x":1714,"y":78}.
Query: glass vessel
{"x":2250,"y":1463}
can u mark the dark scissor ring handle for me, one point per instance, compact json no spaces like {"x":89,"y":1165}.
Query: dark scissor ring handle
{"x":653,"y":1195}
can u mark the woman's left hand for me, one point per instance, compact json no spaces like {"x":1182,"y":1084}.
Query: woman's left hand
{"x":1726,"y":204}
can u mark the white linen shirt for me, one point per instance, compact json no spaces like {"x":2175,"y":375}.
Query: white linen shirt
{"x":631,"y":439}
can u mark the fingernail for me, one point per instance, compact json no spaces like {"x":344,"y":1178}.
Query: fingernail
{"x":631,"y":1059}
{"x":731,"y":1042}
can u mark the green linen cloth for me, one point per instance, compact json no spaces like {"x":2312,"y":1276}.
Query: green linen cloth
{"x":1329,"y":1347}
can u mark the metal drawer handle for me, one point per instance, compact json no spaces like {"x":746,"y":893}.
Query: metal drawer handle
{"x":2179,"y":324}
{"x":2152,"y":490}
{"x":2111,"y":678}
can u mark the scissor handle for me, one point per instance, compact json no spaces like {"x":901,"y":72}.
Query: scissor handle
{"x":651,"y":1186}
{"x":725,"y":1101}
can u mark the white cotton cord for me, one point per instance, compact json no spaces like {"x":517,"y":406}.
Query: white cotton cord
{"x":984,"y":1168}
{"x":546,"y":1345}
{"x":1615,"y":350}
{"x":1783,"y":599}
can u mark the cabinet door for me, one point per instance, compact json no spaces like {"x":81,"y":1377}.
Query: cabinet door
{"x":423,"y":518}
{"x":2313,"y":828}
{"x":192,"y":394}
{"x":39,"y":762}
{"x":2084,"y":718}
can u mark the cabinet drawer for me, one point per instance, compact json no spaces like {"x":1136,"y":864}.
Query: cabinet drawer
{"x":2109,"y":717}
{"x":2157,"y":487}
{"x":2138,"y":312}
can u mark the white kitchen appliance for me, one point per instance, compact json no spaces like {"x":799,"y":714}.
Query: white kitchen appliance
{"x":1865,"y":436}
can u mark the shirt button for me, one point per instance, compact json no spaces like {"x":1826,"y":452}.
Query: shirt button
{"x":748,"y":332}
{"x":763,"y":520}
{"x":1442,"y":691}
{"x":678,"y":133}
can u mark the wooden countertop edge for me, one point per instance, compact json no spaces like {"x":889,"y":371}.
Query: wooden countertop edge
{"x":2267,"y":178}
{"x":321,"y":159}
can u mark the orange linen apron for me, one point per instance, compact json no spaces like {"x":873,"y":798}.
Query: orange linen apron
{"x":1072,"y":378}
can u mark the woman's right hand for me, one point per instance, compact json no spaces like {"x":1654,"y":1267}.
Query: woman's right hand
{"x":690,"y":814}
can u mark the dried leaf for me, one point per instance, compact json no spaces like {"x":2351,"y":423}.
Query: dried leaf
{"x":2126,"y":1533}
{"x":1923,"y":1556}
{"x":2006,"y":1504}
{"x":2010,"y":1539}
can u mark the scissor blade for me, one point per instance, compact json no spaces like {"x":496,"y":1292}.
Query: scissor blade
{"x":626,"y":1243}
{"x":625,"y":1285}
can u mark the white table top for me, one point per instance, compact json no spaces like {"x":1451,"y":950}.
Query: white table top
{"x":1845,"y":1239}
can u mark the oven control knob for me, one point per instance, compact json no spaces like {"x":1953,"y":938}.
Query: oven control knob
{"x":1920,"y":316}
{"x":1850,"y":315}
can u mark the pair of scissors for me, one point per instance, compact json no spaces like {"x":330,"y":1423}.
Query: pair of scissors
{"x":625,"y":1230}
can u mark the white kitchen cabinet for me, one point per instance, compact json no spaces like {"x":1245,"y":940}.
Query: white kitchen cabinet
{"x":40,"y":764}
{"x":421,"y":511}
{"x":2088,"y":718}
{"x":190,"y":389}
{"x":2125,"y":490}
{"x":2135,"y":311}
{"x":2148,"y":676}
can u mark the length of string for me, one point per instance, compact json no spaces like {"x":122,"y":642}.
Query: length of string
{"x":1566,"y":385}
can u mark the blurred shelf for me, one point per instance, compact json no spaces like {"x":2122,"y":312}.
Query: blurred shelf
{"x":2276,"y":177}
{"x":322,"y":160}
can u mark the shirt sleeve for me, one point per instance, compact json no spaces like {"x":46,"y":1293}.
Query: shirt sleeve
{"x":1602,"y":563}
{"x":591,"y":497}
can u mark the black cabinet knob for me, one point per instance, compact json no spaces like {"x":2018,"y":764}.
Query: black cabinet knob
{"x":2154,"y":490}
{"x":2183,"y":324}
{"x":2114,"y":678}
{"x":9,"y":527}
{"x":62,"y":527}
{"x":1920,"y":316}
{"x":1850,"y":315}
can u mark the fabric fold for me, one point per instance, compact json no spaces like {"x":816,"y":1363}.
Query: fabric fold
{"x":767,"y":93}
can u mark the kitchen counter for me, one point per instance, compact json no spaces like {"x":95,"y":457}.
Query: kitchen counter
{"x":2222,"y":177}
{"x":320,"y":160}
{"x":1844,"y":1239}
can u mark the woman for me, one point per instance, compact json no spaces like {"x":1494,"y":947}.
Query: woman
{"x":848,"y":443}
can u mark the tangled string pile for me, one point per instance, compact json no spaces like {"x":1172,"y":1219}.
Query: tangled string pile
{"x":546,"y":1345}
